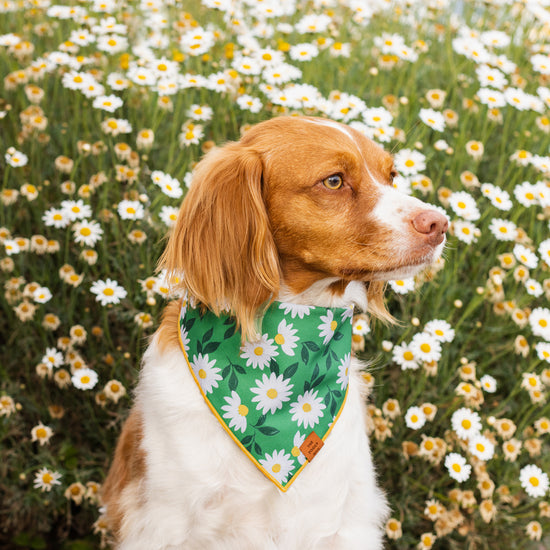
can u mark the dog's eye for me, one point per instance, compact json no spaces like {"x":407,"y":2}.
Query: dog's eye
{"x":333,"y":182}
{"x":393,"y":174}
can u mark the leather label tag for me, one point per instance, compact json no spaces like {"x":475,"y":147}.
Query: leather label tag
{"x":311,"y":446}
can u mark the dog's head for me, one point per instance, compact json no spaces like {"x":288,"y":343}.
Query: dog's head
{"x":295,"y":201}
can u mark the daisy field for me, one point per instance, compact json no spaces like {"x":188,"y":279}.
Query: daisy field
{"x":106,"y":107}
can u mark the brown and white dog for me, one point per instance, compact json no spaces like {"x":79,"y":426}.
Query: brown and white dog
{"x":300,"y":210}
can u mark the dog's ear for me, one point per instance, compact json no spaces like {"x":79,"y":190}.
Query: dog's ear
{"x":222,"y":246}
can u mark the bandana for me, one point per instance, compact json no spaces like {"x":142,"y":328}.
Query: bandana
{"x":279,"y":397}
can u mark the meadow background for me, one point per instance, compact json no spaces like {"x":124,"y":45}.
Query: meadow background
{"x":106,"y":106}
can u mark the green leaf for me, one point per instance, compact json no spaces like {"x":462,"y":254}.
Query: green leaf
{"x":268,"y":430}
{"x":233,"y":382}
{"x":290,"y":371}
{"x":211,"y":347}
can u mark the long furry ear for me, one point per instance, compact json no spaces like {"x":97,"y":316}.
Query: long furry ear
{"x":221,"y":246}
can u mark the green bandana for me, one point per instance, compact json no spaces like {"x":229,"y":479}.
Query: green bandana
{"x":278,"y":397}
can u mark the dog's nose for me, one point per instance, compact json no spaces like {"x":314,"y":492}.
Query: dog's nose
{"x":432,"y":224}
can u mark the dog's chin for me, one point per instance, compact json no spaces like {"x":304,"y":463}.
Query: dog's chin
{"x":409,"y":267}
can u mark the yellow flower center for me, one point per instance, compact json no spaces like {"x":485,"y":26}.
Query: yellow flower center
{"x":306,"y":407}
{"x":243,"y":410}
{"x":272,"y":393}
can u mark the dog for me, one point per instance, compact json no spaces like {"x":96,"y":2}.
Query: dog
{"x":301,"y":211}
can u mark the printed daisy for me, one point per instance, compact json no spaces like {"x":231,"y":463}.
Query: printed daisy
{"x":108,"y":292}
{"x":466,"y":423}
{"x":45,"y":479}
{"x":295,"y":310}
{"x":298,"y":441}
{"x":286,"y":337}
{"x":308,"y":409}
{"x":205,"y":372}
{"x":84,"y":379}
{"x":327,"y":327}
{"x":271,"y":393}
{"x":259,"y":354}
{"x":279,"y":464}
{"x":415,"y":418}
{"x":533,"y":480}
{"x":343,"y":372}
{"x":236,"y":412}
{"x":457,"y":467}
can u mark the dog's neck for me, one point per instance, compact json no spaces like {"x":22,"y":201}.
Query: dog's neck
{"x":328,"y":292}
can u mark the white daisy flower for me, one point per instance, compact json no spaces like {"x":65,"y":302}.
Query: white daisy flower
{"x":524,"y":255}
{"x":526,"y":194}
{"x":11,"y":247}
{"x":415,"y":418}
{"x":534,"y":288}
{"x":130,"y":210}
{"x":45,"y":479}
{"x":492,"y":98}
{"x":543,"y":351}
{"x":42,"y":295}
{"x":169,"y":215}
{"x":457,"y":467}
{"x":286,"y":337}
{"x":15,"y":158}
{"x":343,"y":372}
{"x":108,"y":292}
{"x":409,"y":162}
{"x":109,"y":103}
{"x":404,"y":356}
{"x":308,"y":409}
{"x":465,"y":231}
{"x":303,"y":52}
{"x":466,"y":423}
{"x":434,"y":119}
{"x":481,"y":447}
{"x":236,"y":412}
{"x":440,"y":330}
{"x":279,"y":465}
{"x":402,"y":286}
{"x":327,"y":327}
{"x":544,"y":251}
{"x":259,"y":354}
{"x":426,"y":347}
{"x":84,"y":379}
{"x":271,"y":392}
{"x":52,"y":358}
{"x":76,"y":210}
{"x":377,"y":117}
{"x":533,"y":480}
{"x":207,"y":374}
{"x":488,"y":383}
{"x":56,"y":217}
{"x":464,"y":205}
{"x":503,"y":230}
{"x":87,"y":232}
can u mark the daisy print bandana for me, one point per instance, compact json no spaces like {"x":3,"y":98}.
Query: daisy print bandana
{"x":279,"y":397}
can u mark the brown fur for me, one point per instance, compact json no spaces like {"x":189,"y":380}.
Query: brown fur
{"x":128,"y":467}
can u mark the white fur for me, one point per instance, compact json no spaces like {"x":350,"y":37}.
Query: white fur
{"x":201,"y":492}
